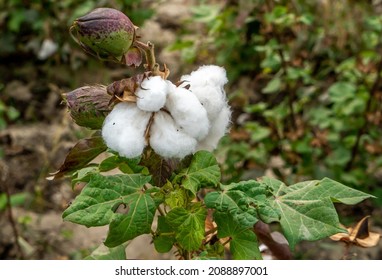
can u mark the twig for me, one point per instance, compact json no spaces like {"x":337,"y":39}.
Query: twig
{"x":149,"y":53}
{"x":280,"y":251}
{"x":212,"y":230}
{"x":10,"y":213}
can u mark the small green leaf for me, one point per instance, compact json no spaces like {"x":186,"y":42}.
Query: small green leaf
{"x":105,"y":253}
{"x":342,"y":91}
{"x":203,"y":171}
{"x":96,"y":204}
{"x":188,"y":225}
{"x":126,"y":165}
{"x":274,"y":85}
{"x":83,"y":175}
{"x":17,"y":199}
{"x":178,"y":197}
{"x":81,"y":154}
{"x":165,"y":238}
{"x":243,"y":244}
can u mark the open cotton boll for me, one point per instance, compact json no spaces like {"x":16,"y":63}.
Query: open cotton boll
{"x":213,"y":99}
{"x":168,"y":140}
{"x":151,"y":96}
{"x":124,"y":128}
{"x":207,"y":75}
{"x":188,"y":112}
{"x":218,"y":129}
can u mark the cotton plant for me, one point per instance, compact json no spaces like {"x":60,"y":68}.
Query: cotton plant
{"x":160,"y":136}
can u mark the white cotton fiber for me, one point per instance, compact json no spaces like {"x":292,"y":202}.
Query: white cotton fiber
{"x":219,"y":128}
{"x":124,"y":128}
{"x":151,"y":96}
{"x":212,"y":99}
{"x":188,"y":112}
{"x":169,"y":140}
{"x":207,"y":75}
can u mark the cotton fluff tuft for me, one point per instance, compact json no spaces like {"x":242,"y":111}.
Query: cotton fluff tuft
{"x":212,"y":99}
{"x":218,"y":129}
{"x":188,"y":112}
{"x":124,"y":128}
{"x":152,"y":94}
{"x":207,"y":75}
{"x":168,"y":140}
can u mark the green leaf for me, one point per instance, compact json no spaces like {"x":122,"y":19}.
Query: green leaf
{"x":274,"y":85}
{"x":96,"y":204}
{"x":306,"y":209}
{"x":126,"y":165}
{"x":237,"y":199}
{"x":188,"y":225}
{"x":177,"y":196}
{"x":16,"y":199}
{"x":342,"y":193}
{"x":81,"y":154}
{"x":203,"y":171}
{"x":165,"y":238}
{"x":105,"y":253}
{"x":137,"y":221}
{"x":83,"y":175}
{"x":342,"y":91}
{"x":243,"y":244}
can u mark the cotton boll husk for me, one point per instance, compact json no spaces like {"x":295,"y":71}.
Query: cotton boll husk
{"x":124,"y":128}
{"x":168,"y":140}
{"x":188,"y":112}
{"x":207,"y":75}
{"x":218,"y":129}
{"x":152,"y":94}
{"x":212,"y":99}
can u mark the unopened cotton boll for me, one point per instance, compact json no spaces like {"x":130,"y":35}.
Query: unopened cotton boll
{"x":207,"y":75}
{"x":124,"y":128}
{"x":218,"y":129}
{"x":168,"y":140}
{"x":151,"y":96}
{"x":188,"y":112}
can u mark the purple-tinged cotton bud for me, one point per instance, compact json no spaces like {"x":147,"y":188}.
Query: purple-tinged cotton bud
{"x":107,"y":34}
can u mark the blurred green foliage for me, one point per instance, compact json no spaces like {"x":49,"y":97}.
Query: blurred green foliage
{"x":305,"y":85}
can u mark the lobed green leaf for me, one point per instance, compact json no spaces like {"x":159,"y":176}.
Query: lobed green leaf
{"x":243,"y":244}
{"x":96,"y":204}
{"x":203,"y":171}
{"x":188,"y":225}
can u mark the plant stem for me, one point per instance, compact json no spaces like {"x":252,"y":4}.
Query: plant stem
{"x":212,"y":230}
{"x":10,"y":212}
{"x":149,"y":54}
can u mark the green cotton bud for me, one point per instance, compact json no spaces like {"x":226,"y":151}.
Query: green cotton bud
{"x":89,"y":105}
{"x":105,"y":33}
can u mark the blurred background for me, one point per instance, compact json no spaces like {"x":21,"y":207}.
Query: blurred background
{"x":305,"y":88}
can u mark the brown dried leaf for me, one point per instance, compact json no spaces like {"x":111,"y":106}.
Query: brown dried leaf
{"x":359,"y":235}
